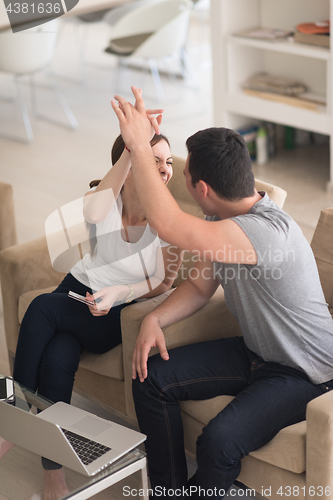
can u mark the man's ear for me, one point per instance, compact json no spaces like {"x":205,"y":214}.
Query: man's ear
{"x":203,"y":189}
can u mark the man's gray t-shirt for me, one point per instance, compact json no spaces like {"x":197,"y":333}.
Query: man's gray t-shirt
{"x":279,"y":303}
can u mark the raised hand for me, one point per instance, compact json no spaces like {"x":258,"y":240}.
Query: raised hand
{"x":135,"y":121}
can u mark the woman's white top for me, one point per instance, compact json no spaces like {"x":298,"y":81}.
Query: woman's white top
{"x":114,"y":261}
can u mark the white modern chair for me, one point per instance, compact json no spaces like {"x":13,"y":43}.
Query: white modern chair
{"x":152,"y":30}
{"x":26,"y":53}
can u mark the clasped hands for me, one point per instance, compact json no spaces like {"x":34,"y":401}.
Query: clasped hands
{"x":137,"y":125}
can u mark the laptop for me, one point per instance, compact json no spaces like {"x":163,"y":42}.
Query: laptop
{"x":70,"y":436}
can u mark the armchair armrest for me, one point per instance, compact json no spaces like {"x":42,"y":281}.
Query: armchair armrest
{"x":131,"y":318}
{"x":7,"y":216}
{"x":319,"y":446}
{"x":211,"y":322}
{"x":23,"y":268}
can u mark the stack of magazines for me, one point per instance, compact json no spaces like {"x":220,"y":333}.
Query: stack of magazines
{"x":283,"y":90}
{"x":266,"y":82}
{"x":270,"y":34}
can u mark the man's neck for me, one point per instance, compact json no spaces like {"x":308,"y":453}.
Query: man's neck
{"x":227,"y":209}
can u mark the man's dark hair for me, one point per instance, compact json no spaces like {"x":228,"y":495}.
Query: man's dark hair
{"x":219,"y":157}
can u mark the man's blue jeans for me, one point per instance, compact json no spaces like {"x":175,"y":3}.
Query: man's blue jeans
{"x":268,"y":397}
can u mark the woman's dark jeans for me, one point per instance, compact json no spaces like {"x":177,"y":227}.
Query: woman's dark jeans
{"x":269,"y":396}
{"x":53,"y":333}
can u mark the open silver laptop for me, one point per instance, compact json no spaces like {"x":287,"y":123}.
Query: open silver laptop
{"x":66,"y":435}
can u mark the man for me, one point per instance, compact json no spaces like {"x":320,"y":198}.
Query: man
{"x":261,"y":258}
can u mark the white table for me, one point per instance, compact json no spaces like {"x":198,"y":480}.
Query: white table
{"x":83,"y":7}
{"x":133,"y":462}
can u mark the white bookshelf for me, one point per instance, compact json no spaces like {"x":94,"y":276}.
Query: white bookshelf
{"x":285,"y":46}
{"x":236,"y":58}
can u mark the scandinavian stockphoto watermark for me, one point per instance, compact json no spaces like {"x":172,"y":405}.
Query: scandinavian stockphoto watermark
{"x":26,"y":14}
{"x":230,"y":264}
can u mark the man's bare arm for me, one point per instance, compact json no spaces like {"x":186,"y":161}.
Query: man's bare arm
{"x":221,"y":241}
{"x":188,"y":298}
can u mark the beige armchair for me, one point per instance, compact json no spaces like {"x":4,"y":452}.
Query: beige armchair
{"x":298,"y":462}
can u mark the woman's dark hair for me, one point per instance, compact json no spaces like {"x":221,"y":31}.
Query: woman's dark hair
{"x":119,"y":146}
{"x":116,"y":152}
{"x":219,"y":157}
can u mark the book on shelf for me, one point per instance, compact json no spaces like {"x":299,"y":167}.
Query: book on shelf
{"x":312,"y":39}
{"x":270,"y":34}
{"x":266,"y":82}
{"x":313,"y":33}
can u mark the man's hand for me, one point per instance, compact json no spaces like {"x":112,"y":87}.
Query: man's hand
{"x":135,"y":121}
{"x":150,"y":335}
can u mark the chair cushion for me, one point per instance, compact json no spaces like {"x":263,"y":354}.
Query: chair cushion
{"x":93,"y":17}
{"x":286,"y":450}
{"x":127,"y":45}
{"x":109,"y":364}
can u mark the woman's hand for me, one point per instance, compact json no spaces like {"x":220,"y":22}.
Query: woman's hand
{"x":155,"y":121}
{"x":108,"y":296}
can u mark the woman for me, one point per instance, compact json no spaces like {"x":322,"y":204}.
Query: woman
{"x":128,"y":256}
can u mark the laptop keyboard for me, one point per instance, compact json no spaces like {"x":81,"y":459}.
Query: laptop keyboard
{"x":87,"y":450}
